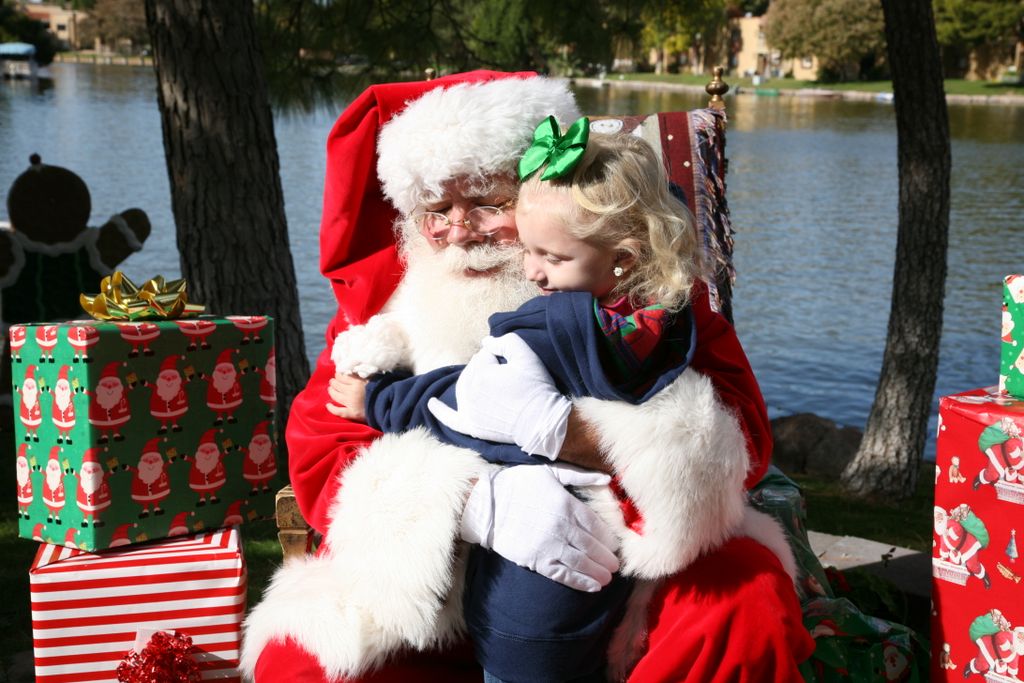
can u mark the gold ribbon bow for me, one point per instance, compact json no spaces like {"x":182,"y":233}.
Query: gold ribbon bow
{"x":122,"y":299}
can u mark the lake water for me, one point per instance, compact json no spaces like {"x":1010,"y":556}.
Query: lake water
{"x":812,"y":190}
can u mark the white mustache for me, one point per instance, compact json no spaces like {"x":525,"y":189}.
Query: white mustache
{"x":481,"y":258}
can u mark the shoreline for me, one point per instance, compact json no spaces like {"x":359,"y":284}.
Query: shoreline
{"x":824,"y":93}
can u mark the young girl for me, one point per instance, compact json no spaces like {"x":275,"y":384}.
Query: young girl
{"x":616,"y":255}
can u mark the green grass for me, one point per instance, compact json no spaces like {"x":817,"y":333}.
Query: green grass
{"x":906,"y":523}
{"x":953,"y":86}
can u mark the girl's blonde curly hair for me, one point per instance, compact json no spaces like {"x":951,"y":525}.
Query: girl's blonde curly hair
{"x":621,"y":199}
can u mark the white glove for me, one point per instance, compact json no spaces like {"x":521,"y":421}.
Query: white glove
{"x":515,"y":402}
{"x":525,"y":514}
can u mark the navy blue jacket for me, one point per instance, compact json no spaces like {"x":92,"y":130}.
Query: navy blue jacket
{"x":562,"y":330}
{"x":524,"y":626}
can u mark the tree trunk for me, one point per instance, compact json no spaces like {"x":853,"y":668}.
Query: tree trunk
{"x":224,"y":173}
{"x":889,"y":457}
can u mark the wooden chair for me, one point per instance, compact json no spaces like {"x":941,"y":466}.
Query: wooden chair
{"x":693,"y":146}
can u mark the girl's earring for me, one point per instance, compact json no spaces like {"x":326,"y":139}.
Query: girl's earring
{"x":617,"y":270}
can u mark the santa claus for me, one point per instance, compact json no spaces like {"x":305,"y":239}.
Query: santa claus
{"x":139,"y":336}
{"x":197,"y":330}
{"x":1007,"y":327}
{"x":109,"y":410}
{"x":250,"y":326}
{"x":53,"y":486}
{"x":24,"y":477}
{"x":179,"y":524}
{"x":122,"y":535}
{"x":207,"y":475}
{"x":93,"y":489}
{"x":224,"y":393}
{"x":168,"y":402}
{"x":81,"y":337}
{"x":1015,"y":287}
{"x":63,"y":412}
{"x":1000,"y":646}
{"x":687,"y":538}
{"x":260,"y":465}
{"x":962,"y":535}
{"x":268,"y":383}
{"x":233,"y":515}
{"x":1002,"y":444}
{"x":150,"y":484}
{"x":29,"y":413}
{"x":46,"y":340}
{"x":17,"y":336}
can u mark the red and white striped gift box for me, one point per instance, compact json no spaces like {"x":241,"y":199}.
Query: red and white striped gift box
{"x":87,"y":607}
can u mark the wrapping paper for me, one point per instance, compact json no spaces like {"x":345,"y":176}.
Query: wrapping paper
{"x":1011,"y":366}
{"x":88,"y":608}
{"x":977,"y":595}
{"x":132,"y":431}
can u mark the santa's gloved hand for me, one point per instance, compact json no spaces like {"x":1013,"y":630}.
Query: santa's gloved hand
{"x":512,"y":402}
{"x":525,"y":514}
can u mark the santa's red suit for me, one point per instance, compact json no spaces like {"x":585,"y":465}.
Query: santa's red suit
{"x":959,"y":546}
{"x":997,"y":652}
{"x":81,"y":337}
{"x":224,"y":401}
{"x":92,"y":503}
{"x":1006,"y":460}
{"x":17,"y":337}
{"x":139,"y":335}
{"x":46,"y":339}
{"x":259,"y":473}
{"x":64,"y":418}
{"x":210,"y":481}
{"x":112,"y":417}
{"x":168,"y":409}
{"x":30,"y":415}
{"x":727,"y":614}
{"x":197,"y":331}
{"x":54,"y":498}
{"x":250,"y":326}
{"x":150,"y":493}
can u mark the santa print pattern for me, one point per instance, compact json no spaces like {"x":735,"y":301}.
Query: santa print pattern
{"x":977,"y":591}
{"x":135,"y":431}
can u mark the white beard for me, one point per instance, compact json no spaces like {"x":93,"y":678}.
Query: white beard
{"x":53,"y":477}
{"x":22,"y":471}
{"x":168,"y":390}
{"x":62,"y":395}
{"x":90,"y":479}
{"x":149,"y":472}
{"x":224,"y":381}
{"x":444,"y":312}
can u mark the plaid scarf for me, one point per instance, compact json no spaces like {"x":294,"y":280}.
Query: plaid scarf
{"x":639,"y":344}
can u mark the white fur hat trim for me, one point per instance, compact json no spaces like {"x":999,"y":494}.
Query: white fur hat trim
{"x":469,"y":129}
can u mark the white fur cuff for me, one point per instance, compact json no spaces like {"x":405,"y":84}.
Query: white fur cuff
{"x":392,"y":576}
{"x":681,"y":457}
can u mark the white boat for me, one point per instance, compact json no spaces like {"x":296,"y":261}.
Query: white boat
{"x":18,"y":60}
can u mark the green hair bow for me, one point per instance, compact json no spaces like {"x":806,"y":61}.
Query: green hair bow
{"x":560,"y":152}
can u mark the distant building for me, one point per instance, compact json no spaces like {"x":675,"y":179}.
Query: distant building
{"x":755,"y":57}
{"x":63,"y":23}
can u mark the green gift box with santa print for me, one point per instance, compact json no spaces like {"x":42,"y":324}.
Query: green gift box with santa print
{"x":1011,"y":367}
{"x":132,"y":431}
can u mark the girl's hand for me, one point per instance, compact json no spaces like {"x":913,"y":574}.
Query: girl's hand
{"x":348,"y":397}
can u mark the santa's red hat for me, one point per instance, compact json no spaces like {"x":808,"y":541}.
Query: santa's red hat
{"x":63,"y":374}
{"x":469,"y":130}
{"x":69,"y":538}
{"x":357,"y":242}
{"x":121,"y":534}
{"x":54,"y":452}
{"x":179,"y":525}
{"x":209,"y":437}
{"x":261,"y":428}
{"x":23,"y":450}
{"x":30,"y":373}
{"x":110,"y":369}
{"x":90,"y":455}
{"x":224,"y":357}
{"x":37,"y":532}
{"x":169,"y":363}
{"x":152,"y":446}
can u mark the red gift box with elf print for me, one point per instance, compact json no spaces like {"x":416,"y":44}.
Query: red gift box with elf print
{"x":88,"y":609}
{"x":977,"y":593}
{"x":132,"y":431}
